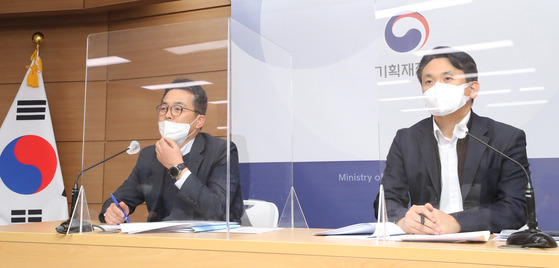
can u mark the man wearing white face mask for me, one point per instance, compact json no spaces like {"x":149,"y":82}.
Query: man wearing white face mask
{"x":183,"y":176}
{"x":454,"y":185}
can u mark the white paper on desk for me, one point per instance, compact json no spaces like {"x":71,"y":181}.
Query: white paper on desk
{"x":505,"y":233}
{"x":167,"y":226}
{"x":248,"y":230}
{"x":108,"y":227}
{"x":479,"y":236}
{"x":367,"y":228}
{"x":361,"y":237}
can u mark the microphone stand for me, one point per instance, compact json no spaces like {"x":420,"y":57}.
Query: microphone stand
{"x":532,"y":237}
{"x":63,"y":227}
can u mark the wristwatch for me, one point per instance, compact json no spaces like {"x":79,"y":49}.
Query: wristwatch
{"x":176,"y":170}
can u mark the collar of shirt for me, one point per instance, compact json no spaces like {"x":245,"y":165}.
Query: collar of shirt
{"x":186,"y":149}
{"x":441,"y":139}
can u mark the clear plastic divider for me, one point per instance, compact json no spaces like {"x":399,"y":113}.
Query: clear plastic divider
{"x":127,"y":74}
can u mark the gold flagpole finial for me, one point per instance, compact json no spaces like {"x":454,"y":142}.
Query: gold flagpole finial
{"x":36,"y":63}
{"x":38,"y":38}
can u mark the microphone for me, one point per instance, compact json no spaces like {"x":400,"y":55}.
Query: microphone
{"x":531,"y":237}
{"x":134,"y":148}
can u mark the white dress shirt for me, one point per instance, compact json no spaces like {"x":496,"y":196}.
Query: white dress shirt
{"x":451,"y":195}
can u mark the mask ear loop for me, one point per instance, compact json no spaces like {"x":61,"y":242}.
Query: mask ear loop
{"x":191,"y":125}
{"x":194,"y":120}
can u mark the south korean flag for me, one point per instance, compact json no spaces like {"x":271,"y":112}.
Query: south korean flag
{"x":31,"y":185}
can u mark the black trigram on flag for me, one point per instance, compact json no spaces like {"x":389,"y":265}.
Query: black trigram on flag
{"x":31,"y":109}
{"x":27,"y":215}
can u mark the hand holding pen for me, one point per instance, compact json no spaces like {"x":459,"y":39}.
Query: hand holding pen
{"x":116,"y":212}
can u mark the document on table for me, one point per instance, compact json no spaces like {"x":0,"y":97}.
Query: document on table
{"x":479,"y":236}
{"x":248,"y":230}
{"x":175,"y":226}
{"x":504,"y":234}
{"x":366,"y":228}
{"x":110,"y":228}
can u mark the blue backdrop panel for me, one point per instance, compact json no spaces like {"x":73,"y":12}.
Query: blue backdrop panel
{"x":336,"y":194}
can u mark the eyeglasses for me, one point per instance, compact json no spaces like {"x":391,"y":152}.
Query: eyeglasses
{"x":176,"y":110}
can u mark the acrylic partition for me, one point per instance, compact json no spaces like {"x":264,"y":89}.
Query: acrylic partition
{"x":499,"y":98}
{"x":127,"y":74}
{"x":400,"y":105}
{"x":306,"y":147}
{"x":406,"y":105}
{"x":516,"y":77}
{"x":262,"y":122}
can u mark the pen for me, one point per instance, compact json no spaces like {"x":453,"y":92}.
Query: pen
{"x":118,"y":206}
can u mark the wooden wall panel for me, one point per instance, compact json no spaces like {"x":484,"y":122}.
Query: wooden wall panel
{"x":179,"y":34}
{"x":95,"y":117}
{"x":66,"y":109}
{"x":66,"y":103}
{"x":160,"y":63}
{"x":100,"y":3}
{"x":182,"y":6}
{"x":131,"y":109}
{"x":8,"y":93}
{"x":217,"y":90}
{"x":216,"y":120}
{"x":196,"y":15}
{"x":63,"y":52}
{"x":39,"y":5}
{"x":108,"y":5}
{"x":70,"y":155}
{"x":15,"y":55}
{"x":41,"y":8}
{"x":145,"y":48}
{"x":97,"y":47}
{"x":66,"y":51}
{"x":94,"y":209}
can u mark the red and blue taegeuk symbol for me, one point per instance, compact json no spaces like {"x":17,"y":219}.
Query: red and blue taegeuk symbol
{"x":28,"y":164}
{"x":411,"y":39}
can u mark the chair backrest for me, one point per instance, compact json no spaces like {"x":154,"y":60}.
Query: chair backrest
{"x":261,"y":213}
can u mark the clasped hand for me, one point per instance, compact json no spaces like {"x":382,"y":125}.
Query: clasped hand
{"x":428,"y":220}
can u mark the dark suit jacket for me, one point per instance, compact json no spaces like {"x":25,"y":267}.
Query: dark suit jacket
{"x":492,"y":186}
{"x":201,"y":197}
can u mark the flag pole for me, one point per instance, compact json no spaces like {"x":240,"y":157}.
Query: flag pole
{"x":36,"y":63}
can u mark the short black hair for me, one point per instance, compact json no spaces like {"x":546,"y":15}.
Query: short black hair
{"x":200,"y":100}
{"x":459,"y":59}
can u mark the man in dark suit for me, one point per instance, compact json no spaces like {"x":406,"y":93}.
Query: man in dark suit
{"x":184,"y":175}
{"x":455,"y":185}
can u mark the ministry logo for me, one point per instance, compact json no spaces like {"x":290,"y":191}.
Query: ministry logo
{"x":412,"y":39}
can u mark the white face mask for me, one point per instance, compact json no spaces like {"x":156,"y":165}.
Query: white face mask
{"x":444,"y":99}
{"x":178,"y":132}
